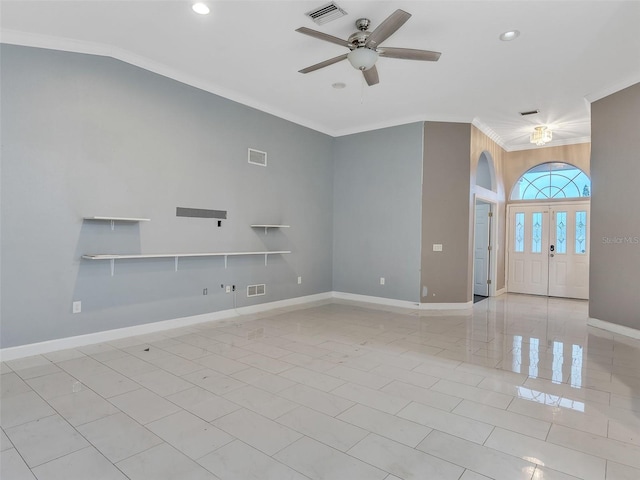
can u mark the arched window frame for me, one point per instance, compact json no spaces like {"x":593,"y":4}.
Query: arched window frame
{"x":564,"y":186}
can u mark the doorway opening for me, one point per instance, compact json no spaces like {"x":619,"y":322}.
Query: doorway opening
{"x":483,"y":261}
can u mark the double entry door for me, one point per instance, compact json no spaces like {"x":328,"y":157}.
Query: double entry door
{"x":549,"y":249}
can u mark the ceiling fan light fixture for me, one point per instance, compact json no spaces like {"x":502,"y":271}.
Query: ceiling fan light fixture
{"x":362,"y":58}
{"x":541,"y":135}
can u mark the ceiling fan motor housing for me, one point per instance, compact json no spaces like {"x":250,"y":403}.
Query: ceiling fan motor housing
{"x":358,"y":39}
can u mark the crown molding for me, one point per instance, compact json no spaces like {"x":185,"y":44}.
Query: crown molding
{"x":489,"y":132}
{"x":613,"y":88}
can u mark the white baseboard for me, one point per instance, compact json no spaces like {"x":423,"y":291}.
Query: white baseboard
{"x":401,"y":303}
{"x":354,"y":297}
{"x":13,"y":353}
{"x":614,"y":328}
{"x":501,"y":291}
{"x":446,"y":306}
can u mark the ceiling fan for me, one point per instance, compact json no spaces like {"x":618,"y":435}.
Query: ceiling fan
{"x":364,"y":46}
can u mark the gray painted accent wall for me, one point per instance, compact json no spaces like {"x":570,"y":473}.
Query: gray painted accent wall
{"x":377,"y":202}
{"x":85,"y":135}
{"x":446,"y":218}
{"x":614,"y":275}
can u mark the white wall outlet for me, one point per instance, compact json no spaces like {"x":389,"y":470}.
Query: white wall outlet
{"x":299,"y":280}
{"x":227,"y":289}
{"x":77,"y":306}
{"x":437,"y":247}
{"x":381,"y":280}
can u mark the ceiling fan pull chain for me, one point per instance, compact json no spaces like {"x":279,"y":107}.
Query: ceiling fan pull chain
{"x":362,"y":82}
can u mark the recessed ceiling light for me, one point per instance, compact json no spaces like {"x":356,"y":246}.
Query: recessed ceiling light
{"x":200,"y":8}
{"x":338,"y":85}
{"x":510,"y":35}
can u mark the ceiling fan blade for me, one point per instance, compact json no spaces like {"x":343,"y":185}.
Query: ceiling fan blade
{"x":409,"y":54}
{"x":323,"y":36}
{"x":326,"y":63}
{"x":387,"y":28}
{"x":371,"y":76}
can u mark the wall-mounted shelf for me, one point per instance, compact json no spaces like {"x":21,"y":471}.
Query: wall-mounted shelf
{"x":268,"y":226}
{"x":113,"y":257}
{"x":113,"y":220}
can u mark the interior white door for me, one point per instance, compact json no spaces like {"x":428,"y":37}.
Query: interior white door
{"x":528,"y":268}
{"x":481,"y":250}
{"x":569,"y":251}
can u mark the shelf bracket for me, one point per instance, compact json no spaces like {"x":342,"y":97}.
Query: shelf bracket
{"x":177,"y":263}
{"x":113,"y":266}
{"x":113,"y":225}
{"x":266,"y":230}
{"x":265,"y":259}
{"x":225,"y":261}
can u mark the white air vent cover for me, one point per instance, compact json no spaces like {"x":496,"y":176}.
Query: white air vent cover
{"x":256,"y":157}
{"x":255,"y":290}
{"x":326,"y":13}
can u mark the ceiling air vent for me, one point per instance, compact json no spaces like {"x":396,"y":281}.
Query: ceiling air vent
{"x":530,"y":112}
{"x":256,"y":157}
{"x":326,"y":13}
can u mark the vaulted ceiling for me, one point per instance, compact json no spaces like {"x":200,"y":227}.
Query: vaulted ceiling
{"x":568,"y":54}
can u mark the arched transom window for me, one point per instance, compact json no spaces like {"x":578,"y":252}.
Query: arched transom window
{"x":552,"y":180}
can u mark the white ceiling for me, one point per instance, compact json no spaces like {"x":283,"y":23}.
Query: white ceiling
{"x":568,"y":54}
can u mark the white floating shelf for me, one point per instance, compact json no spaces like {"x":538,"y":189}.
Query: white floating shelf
{"x":118,"y":219}
{"x":176,"y":256}
{"x":268,"y":226}
{"x":113,"y":220}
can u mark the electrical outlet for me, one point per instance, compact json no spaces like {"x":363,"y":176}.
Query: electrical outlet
{"x":381,"y":280}
{"x":205,"y":291}
{"x":299,"y":280}
{"x":227,"y":289}
{"x":77,"y":307}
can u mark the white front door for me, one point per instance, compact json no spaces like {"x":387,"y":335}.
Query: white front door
{"x":569,"y":260}
{"x":549,"y":250}
{"x":528,"y":249}
{"x":481,"y":250}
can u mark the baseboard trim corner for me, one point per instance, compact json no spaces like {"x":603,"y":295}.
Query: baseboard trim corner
{"x":391,"y":302}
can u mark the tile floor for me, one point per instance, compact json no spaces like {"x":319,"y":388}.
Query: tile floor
{"x":519,"y":389}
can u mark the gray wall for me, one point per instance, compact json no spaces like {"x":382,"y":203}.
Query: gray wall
{"x":377,"y":198}
{"x":85,"y":135}
{"x":614,"y":277}
{"x":446,"y":218}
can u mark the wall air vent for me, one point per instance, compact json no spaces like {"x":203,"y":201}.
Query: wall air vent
{"x":256,"y":290}
{"x":530,"y":112}
{"x":326,"y":13}
{"x":256,"y":157}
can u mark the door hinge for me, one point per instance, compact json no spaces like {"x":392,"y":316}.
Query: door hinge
{"x":489,"y":248}
{"x":490,"y":214}
{"x":488,"y":282}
